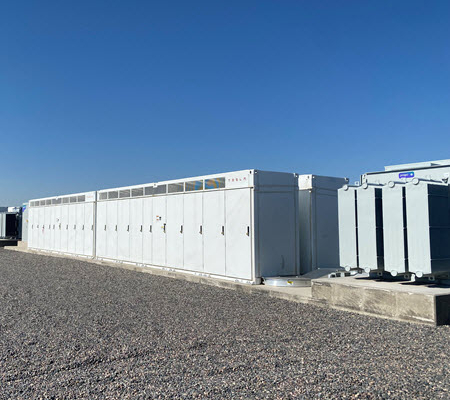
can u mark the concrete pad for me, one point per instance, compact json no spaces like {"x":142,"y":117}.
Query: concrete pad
{"x":405,"y":301}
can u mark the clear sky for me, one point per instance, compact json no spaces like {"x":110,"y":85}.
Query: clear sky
{"x":97,"y":94}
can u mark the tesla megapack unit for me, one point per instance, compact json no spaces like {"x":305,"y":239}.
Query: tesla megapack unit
{"x":318,"y":210}
{"x":63,"y":224}
{"x":240,"y":225}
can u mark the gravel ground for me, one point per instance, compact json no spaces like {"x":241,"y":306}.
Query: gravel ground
{"x":71,"y":329}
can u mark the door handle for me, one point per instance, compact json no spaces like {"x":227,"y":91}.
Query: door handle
{"x":74,"y":227}
{"x":164,"y":228}
{"x":82,"y":228}
{"x":105,"y":227}
{"x":223,"y":230}
{"x":128,"y":228}
{"x":248,"y":231}
{"x":67,"y":226}
{"x":201,"y":229}
{"x":150,"y":229}
{"x":141,"y":228}
{"x":181,"y":229}
{"x":116,"y":228}
{"x":92,"y":227}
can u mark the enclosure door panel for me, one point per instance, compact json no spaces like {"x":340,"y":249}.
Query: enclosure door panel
{"x":159,"y":230}
{"x":192,"y":231}
{"x":58,"y":228}
{"x":123,"y":229}
{"x":52,"y":227}
{"x":175,"y":231}
{"x":41,"y":227}
{"x":88,"y":236}
{"x":30,"y":226}
{"x":214,"y":232}
{"x":47,"y":218}
{"x":238,"y":233}
{"x":71,"y":244}
{"x":136,"y":230}
{"x":101,"y":228}
{"x":79,"y":229}
{"x":147,"y":230}
{"x":64,"y":227}
{"x":111,"y":229}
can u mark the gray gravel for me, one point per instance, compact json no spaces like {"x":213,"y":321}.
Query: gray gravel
{"x":71,"y":329}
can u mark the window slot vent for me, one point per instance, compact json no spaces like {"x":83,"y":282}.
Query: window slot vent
{"x":124,"y":193}
{"x":81,"y":198}
{"x":42,"y":203}
{"x":58,"y":201}
{"x":149,"y":190}
{"x":65,"y":200}
{"x":193,"y":185}
{"x":176,"y":187}
{"x":103,"y":196}
{"x":161,"y":189}
{"x":113,"y":195}
{"x":215,"y":183}
{"x":137,"y":192}
{"x":48,"y":202}
{"x":73,"y":199}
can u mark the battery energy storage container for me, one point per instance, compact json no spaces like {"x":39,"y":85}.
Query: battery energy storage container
{"x":64,"y":224}
{"x":240,"y":225}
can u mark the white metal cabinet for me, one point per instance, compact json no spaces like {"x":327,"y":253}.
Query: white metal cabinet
{"x":123,"y":230}
{"x":64,"y":227}
{"x":46,"y":230}
{"x":175,"y":231}
{"x":79,"y":229}
{"x":101,"y":227}
{"x":52,"y":227}
{"x":193,"y":231}
{"x":31,"y":223}
{"x":214,"y":232}
{"x":71,"y":244}
{"x":147,"y":234}
{"x":88,"y":236}
{"x":136,"y":230}
{"x":111,"y":229}
{"x":238,"y":233}
{"x":159,"y":230}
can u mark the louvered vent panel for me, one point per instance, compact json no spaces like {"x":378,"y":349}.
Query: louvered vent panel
{"x":73,"y":199}
{"x":149,"y":190}
{"x":215,"y":183}
{"x":65,"y":200}
{"x":81,"y":198}
{"x":176,"y":187}
{"x":124,"y":193}
{"x":193,"y":185}
{"x":58,"y":201}
{"x":161,"y":189}
{"x":103,"y":195}
{"x":113,"y":195}
{"x":48,"y":202}
{"x":53,"y":201}
{"x":136,"y":192}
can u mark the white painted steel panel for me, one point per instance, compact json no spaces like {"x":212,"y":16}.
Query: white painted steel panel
{"x":111,"y":229}
{"x":174,"y":231}
{"x":394,"y":229}
{"x":71,"y":244}
{"x":79,"y":229}
{"x":52,"y":228}
{"x":348,"y":250}
{"x":192,"y":231}
{"x":136,"y":230}
{"x":123,"y":230}
{"x":238,"y":232}
{"x":147,"y":230}
{"x":64,"y":227}
{"x":46,"y":230}
{"x":214,"y":232}
{"x":101,"y":229}
{"x":30,"y":226}
{"x":58,"y":228}
{"x":159,"y":230}
{"x":276,"y":230}
{"x":88,"y":236}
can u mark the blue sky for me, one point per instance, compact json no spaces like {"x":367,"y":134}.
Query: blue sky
{"x":97,"y":94}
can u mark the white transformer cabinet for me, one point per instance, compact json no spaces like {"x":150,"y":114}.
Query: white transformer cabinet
{"x":240,"y":225}
{"x":63,"y":224}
